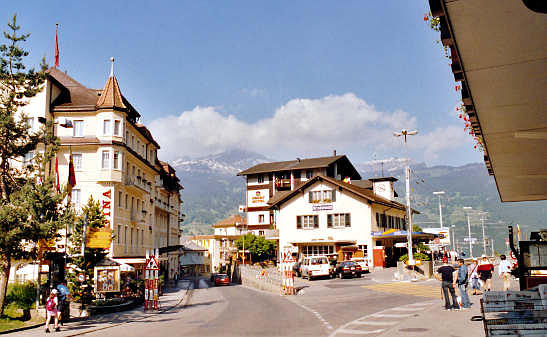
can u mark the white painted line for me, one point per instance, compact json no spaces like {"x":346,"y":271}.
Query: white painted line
{"x":359,"y":332}
{"x":392,"y":315}
{"x":408,"y":309}
{"x":375,"y":323}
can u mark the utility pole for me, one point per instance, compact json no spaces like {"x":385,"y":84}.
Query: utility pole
{"x":469,"y":230}
{"x":439,"y":193}
{"x":483,"y":235}
{"x":454,"y":246}
{"x":404,"y":133}
{"x":492,"y":241}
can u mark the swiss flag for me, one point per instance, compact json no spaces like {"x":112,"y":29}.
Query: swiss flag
{"x":56,"y":50}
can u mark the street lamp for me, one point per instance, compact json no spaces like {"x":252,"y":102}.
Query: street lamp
{"x":404,"y":133}
{"x":439,"y":193}
{"x":454,"y":236}
{"x":469,"y":230}
{"x":483,"y":235}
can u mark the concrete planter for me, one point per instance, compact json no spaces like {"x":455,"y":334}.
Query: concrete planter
{"x":422,"y":271}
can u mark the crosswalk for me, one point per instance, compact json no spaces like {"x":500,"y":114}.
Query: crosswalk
{"x":379,"y":322}
{"x":406,"y":288}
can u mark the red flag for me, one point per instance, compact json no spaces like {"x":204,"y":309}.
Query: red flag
{"x":56,"y":50}
{"x":71,"y":175}
{"x":57,"y":185}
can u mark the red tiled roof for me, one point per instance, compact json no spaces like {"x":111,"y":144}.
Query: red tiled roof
{"x":111,"y":96}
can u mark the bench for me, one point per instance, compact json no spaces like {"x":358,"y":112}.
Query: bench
{"x":514,"y":313}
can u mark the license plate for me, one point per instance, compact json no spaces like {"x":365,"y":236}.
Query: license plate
{"x":352,"y":268}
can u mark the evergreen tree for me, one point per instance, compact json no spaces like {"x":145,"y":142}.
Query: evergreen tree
{"x":30,"y":208}
{"x":82,"y":291}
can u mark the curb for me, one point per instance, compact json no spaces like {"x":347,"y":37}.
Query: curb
{"x":28,"y":327}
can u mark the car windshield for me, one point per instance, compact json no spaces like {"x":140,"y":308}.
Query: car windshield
{"x":319,"y":260}
{"x":221,"y":275}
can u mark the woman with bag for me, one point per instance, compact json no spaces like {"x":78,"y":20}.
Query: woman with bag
{"x":51,"y":310}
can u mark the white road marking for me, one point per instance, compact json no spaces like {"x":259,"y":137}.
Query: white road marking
{"x":406,"y":309}
{"x":392,"y":315}
{"x":359,"y":332}
{"x":318,"y":315}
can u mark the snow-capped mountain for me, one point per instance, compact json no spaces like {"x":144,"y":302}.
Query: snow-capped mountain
{"x":226,"y":163}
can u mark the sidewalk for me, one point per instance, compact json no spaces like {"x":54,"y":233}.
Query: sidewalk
{"x":170,"y":299}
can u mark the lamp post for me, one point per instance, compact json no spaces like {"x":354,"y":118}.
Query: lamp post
{"x":469,"y":230}
{"x":483,"y":235}
{"x":439,"y":193}
{"x":404,"y":133}
{"x":454,"y":237}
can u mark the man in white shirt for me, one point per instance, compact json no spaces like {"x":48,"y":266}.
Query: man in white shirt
{"x":504,"y":271}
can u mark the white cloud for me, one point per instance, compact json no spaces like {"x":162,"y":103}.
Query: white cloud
{"x":304,"y":127}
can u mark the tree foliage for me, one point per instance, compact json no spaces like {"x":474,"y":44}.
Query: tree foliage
{"x":30,"y":208}
{"x":259,"y":248}
{"x":82,"y":291}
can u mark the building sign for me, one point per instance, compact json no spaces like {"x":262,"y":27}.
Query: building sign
{"x":257,"y":198}
{"x":107,"y":279}
{"x":325,"y":207}
{"x":106,"y":206}
{"x":98,"y":238}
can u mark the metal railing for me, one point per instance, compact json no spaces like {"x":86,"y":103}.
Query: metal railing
{"x":137,"y":182}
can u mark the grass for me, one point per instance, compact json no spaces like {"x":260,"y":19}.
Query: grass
{"x":12,"y":319}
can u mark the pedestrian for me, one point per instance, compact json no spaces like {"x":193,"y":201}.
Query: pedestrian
{"x":485,"y":269}
{"x":51,"y":310}
{"x":63,"y":298}
{"x":474,"y":276}
{"x":445,"y":274}
{"x":462,"y":281}
{"x":504,"y":270}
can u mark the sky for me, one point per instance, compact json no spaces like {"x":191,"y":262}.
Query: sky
{"x":283,"y":78}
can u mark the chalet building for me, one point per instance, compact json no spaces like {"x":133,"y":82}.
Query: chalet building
{"x":326,"y":216}
{"x":267,"y":180}
{"x":115,"y":161}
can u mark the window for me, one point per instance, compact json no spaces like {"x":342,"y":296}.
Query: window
{"x":317,"y":250}
{"x":364,"y":249}
{"x":105,"y":164}
{"x":77,"y":161}
{"x":126,"y":201}
{"x":322,"y":196}
{"x":76,"y":198}
{"x":117,"y":130}
{"x":261,"y":233}
{"x":119,"y":234}
{"x":116,"y":160}
{"x":120,"y":194}
{"x":142,"y":237}
{"x":307,"y":221}
{"x":309,"y":174}
{"x":143,"y":151}
{"x":151,"y":156}
{"x":127,"y":137}
{"x":261,"y":179}
{"x":132,"y":231}
{"x":261,"y":218}
{"x":125,"y":239}
{"x":107,"y":127}
{"x":338,"y":220}
{"x":78,"y":128}
{"x":132,"y":141}
{"x":138,"y":146}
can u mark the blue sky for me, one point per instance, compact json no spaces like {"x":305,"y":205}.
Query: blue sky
{"x":284,"y":78}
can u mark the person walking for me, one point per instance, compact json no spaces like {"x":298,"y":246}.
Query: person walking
{"x":51,"y":310}
{"x":445,"y":274}
{"x":504,"y":271}
{"x":462,"y":281}
{"x":474,"y":276}
{"x":63,"y":298}
{"x":485,"y":272}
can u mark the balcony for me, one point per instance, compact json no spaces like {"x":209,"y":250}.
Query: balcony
{"x":138,"y":182}
{"x":137,"y":216}
{"x":283,"y":184}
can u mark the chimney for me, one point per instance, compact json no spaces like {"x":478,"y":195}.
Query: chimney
{"x":335,"y":153}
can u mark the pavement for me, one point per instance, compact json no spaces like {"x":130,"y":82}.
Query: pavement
{"x":172,"y":298}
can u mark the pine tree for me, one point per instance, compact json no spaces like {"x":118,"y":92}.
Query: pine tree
{"x":30,"y":208}
{"x":82,"y":291}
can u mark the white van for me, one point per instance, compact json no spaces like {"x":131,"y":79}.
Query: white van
{"x":363,"y":262}
{"x":315,"y":266}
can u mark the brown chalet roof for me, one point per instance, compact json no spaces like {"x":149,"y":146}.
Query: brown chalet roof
{"x":231,"y":221}
{"x":111,"y":96}
{"x":73,"y":94}
{"x":301,"y":164}
{"x":359,"y":191}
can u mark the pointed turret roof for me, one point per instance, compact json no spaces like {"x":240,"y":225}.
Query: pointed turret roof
{"x":111,"y":96}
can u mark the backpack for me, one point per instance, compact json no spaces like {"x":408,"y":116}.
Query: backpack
{"x":50,"y":304}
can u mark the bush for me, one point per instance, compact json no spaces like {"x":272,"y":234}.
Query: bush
{"x":417,"y":256}
{"x":22,"y":295}
{"x":109,"y":302}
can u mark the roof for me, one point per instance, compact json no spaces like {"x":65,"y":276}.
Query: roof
{"x":146,"y":133}
{"x":231,"y":221}
{"x":73,"y":93}
{"x":298,"y":164}
{"x":356,"y":190}
{"x":383,"y":179}
{"x":192,"y":246}
{"x":498,"y":51}
{"x":111,"y":96}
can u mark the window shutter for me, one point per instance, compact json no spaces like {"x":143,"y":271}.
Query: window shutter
{"x":348,"y":220}
{"x":298,"y":222}
{"x":316,"y":221}
{"x":333,"y":195}
{"x":310,"y":196}
{"x":329,"y":220}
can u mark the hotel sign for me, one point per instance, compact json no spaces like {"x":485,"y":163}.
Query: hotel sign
{"x":325,"y":207}
{"x":258,"y":198}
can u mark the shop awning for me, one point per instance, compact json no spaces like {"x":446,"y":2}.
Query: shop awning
{"x":395,"y":234}
{"x":324,"y":241}
{"x":129,"y":260}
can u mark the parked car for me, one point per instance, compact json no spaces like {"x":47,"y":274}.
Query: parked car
{"x":361,"y":261}
{"x":315,"y":266}
{"x":296,"y":268}
{"x":222,"y":279}
{"x":348,"y":268}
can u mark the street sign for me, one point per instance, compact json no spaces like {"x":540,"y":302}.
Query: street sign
{"x":98,"y":238}
{"x":473,"y":240}
{"x":151,"y":281}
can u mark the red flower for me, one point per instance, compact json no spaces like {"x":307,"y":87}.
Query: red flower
{"x":426,"y":17}
{"x":460,"y":115}
{"x":457,"y":109}
{"x":457,"y":87}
